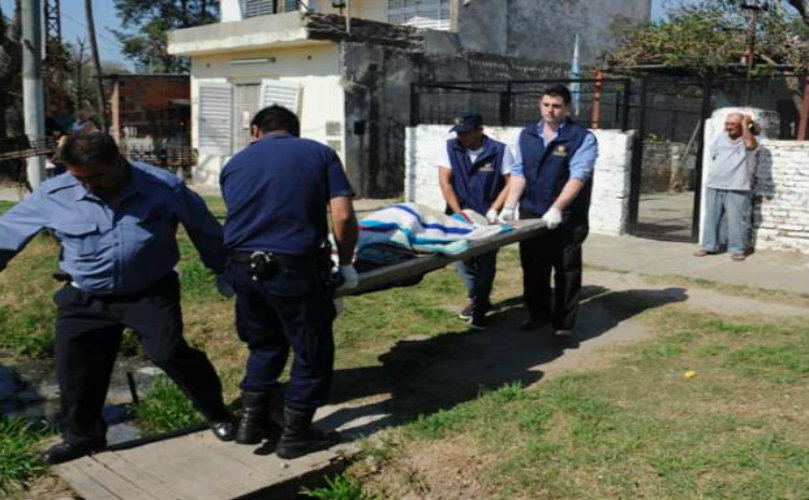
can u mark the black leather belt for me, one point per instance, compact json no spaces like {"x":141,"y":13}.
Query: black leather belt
{"x":283,"y":259}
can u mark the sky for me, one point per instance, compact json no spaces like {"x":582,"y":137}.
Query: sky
{"x":73,"y":24}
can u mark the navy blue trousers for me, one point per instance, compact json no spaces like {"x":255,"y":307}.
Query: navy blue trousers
{"x":558,"y":253}
{"x":88,"y":334}
{"x":293,"y":309}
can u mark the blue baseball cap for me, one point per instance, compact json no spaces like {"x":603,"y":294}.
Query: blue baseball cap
{"x":467,"y":123}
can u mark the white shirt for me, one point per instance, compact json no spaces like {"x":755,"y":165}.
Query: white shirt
{"x":507,"y":163}
{"x":732,"y":164}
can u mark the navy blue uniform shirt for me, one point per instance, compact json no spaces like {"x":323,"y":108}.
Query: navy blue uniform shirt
{"x":277,"y":191}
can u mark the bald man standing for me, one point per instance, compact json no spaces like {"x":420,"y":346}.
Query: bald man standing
{"x":729,"y":188}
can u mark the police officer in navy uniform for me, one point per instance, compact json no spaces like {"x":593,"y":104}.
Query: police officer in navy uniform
{"x":116,"y":222}
{"x":473,"y":175}
{"x":552,"y":179}
{"x":278,"y":191}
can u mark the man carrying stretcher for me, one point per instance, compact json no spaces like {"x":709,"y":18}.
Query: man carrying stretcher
{"x":474,"y":175}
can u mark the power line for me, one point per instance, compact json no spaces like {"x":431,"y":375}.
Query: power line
{"x":100,"y":35}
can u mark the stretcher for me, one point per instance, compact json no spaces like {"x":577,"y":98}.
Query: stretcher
{"x":422,"y":264}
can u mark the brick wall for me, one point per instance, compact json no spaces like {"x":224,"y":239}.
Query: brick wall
{"x":781,"y":218}
{"x":610,"y":202}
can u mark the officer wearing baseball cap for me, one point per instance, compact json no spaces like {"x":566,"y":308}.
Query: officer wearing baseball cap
{"x":473,"y":175}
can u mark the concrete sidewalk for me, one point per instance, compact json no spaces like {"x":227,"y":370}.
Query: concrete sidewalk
{"x":764,"y":269}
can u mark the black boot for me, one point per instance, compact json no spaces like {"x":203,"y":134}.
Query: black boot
{"x":255,"y":424}
{"x":300,"y":438}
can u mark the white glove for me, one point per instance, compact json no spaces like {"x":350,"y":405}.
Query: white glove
{"x":552,"y":218}
{"x":350,"y":277}
{"x":491,"y":216}
{"x":224,"y":287}
{"x":506,"y":215}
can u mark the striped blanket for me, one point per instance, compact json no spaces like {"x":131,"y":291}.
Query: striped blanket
{"x":401,"y":231}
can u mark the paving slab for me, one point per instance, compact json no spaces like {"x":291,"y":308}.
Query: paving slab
{"x":785,"y":271}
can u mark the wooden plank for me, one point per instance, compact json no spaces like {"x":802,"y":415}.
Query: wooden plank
{"x":109,"y":479}
{"x":170,"y":463}
{"x":155,"y":485}
{"x":523,"y":230}
{"x":234,"y":477}
{"x":76,"y":474}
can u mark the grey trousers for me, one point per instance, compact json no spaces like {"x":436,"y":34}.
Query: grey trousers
{"x":727,"y":220}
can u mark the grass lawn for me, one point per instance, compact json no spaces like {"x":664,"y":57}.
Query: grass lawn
{"x":634,"y":427}
{"x":644,"y":427}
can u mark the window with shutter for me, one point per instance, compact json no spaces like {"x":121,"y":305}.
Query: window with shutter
{"x":253,"y":8}
{"x":432,"y":14}
{"x":283,"y":93}
{"x":215,"y":115}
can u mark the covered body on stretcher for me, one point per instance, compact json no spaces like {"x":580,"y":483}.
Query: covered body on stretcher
{"x":399,"y":244}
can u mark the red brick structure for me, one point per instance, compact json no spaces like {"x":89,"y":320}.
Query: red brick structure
{"x":156,"y":107}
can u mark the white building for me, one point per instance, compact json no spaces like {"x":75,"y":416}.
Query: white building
{"x":351,"y":87}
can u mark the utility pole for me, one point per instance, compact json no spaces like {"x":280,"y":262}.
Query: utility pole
{"x":32,"y":85}
{"x":79,"y":81}
{"x":754,"y":7}
{"x":56,"y":102}
{"x":91,"y":31}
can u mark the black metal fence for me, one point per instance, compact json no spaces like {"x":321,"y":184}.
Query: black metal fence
{"x":663,"y":108}
{"x":14,"y":152}
{"x":515,"y":103}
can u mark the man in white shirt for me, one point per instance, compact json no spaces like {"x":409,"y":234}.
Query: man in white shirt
{"x":728,"y":195}
{"x":473,"y":174}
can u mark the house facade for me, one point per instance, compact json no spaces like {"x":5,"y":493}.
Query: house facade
{"x":347,"y":73}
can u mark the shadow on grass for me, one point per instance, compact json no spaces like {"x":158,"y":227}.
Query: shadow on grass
{"x":437,"y":373}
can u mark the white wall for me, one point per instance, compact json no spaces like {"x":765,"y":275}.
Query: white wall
{"x":316,"y":68}
{"x":230,"y":10}
{"x":610,"y":203}
{"x":781,"y":219}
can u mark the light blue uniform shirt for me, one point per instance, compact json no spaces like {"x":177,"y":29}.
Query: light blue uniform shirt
{"x":121,"y":249}
{"x":581,"y":164}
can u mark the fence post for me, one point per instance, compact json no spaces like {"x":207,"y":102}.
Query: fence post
{"x":596,"y":117}
{"x":625,"y":110}
{"x":505,"y":106}
{"x":804,"y":123}
{"x":414,"y":105}
{"x":635,"y":177}
{"x":704,"y":115}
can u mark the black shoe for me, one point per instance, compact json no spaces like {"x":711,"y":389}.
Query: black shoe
{"x":466,"y":314}
{"x":256,"y":423}
{"x":531,"y":324}
{"x":224,"y":430}
{"x":565,"y":337}
{"x":299,"y":438}
{"x":478,"y":321}
{"x":64,"y":452}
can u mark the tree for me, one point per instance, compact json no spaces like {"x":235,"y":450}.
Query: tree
{"x":10,"y":67}
{"x":802,"y":6}
{"x":710,"y":36}
{"x":151,"y":20}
